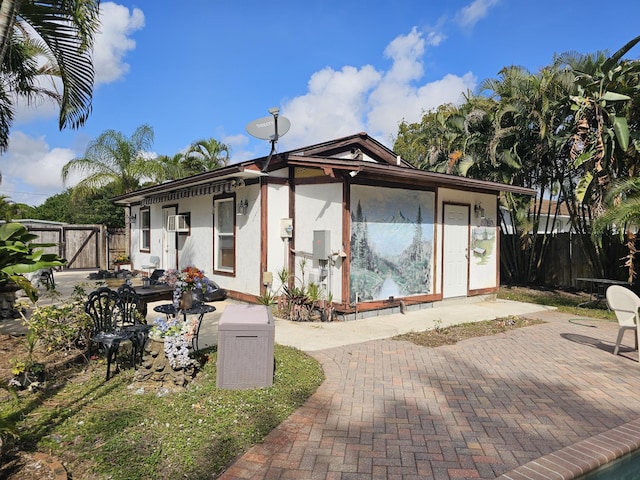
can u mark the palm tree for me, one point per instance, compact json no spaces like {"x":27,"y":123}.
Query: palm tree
{"x":8,"y":209}
{"x":623,"y":215}
{"x":437,"y":143}
{"x":174,"y":167}
{"x":63,"y":33}
{"x":113,"y":159}
{"x":116,"y":161}
{"x":205,"y":155}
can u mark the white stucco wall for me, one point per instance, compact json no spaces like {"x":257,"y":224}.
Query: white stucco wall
{"x":197,"y":247}
{"x":247,"y":276}
{"x":319,"y":207}
{"x":277,"y":246}
{"x":143,"y":258}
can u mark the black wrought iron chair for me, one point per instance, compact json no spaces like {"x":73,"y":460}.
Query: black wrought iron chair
{"x":155,"y":276}
{"x":46,"y":279}
{"x":104,"y":307}
{"x":131,"y":318}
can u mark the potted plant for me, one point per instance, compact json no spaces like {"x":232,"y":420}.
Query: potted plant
{"x":27,"y":373}
{"x":121,"y":262}
{"x":189,"y":285}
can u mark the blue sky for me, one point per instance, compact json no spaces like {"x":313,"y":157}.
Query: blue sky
{"x":205,"y":68}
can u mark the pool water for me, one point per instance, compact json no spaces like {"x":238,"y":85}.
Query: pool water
{"x":626,"y":467}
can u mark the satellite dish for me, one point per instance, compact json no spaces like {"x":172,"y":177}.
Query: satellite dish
{"x":269,"y":128}
{"x":265,"y":128}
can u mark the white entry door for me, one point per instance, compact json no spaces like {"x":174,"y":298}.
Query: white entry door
{"x":455,"y":275}
{"x":169,"y":250}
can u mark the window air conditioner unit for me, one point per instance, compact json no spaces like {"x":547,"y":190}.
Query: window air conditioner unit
{"x":177,"y":223}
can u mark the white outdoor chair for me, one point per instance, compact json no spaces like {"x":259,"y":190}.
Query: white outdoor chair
{"x":625,"y":305}
{"x":154,"y":262}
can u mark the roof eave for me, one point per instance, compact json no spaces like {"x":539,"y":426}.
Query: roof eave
{"x":243,"y":171}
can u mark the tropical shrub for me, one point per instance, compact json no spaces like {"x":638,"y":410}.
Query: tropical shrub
{"x":61,"y":327}
{"x":19,"y":255}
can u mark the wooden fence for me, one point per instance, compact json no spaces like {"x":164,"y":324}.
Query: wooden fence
{"x":84,"y":246}
{"x":566,"y":261}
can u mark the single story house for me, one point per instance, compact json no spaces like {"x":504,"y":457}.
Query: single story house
{"x":348,"y":215}
{"x":554,"y":218}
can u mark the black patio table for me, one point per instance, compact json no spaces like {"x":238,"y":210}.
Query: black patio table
{"x":170,"y":310}
{"x":152,"y":293}
{"x":598,"y":289}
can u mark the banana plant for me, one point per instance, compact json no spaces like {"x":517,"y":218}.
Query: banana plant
{"x":19,"y":255}
{"x":603,"y":88}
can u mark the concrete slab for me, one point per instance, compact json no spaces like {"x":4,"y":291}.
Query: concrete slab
{"x":313,"y":336}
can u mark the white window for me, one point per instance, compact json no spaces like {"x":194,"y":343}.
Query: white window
{"x":225,"y":242}
{"x":145,"y":230}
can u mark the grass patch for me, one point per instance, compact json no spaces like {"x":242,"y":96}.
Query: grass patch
{"x":105,"y":430}
{"x":456,"y":333}
{"x":565,"y":301}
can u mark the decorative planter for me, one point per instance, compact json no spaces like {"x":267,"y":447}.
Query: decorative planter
{"x":25,"y":379}
{"x":8,"y":301}
{"x":186,"y":300}
{"x":156,"y":367}
{"x":114,"y":282}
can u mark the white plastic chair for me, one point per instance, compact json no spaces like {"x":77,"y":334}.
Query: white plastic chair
{"x":154,"y":262}
{"x":625,"y":305}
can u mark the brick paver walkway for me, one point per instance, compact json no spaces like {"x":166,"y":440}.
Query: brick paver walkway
{"x":394,"y":410}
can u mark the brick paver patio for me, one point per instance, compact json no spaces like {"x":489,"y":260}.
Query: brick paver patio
{"x":478,"y":409}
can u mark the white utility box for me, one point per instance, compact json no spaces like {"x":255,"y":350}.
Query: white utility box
{"x":246,"y":335}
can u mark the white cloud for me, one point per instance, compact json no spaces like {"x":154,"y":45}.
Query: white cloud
{"x":340,"y":103}
{"x":406,"y":52}
{"x":335,"y":105}
{"x":435,"y":38}
{"x":474,"y":12}
{"x":31,"y":164}
{"x":113,"y":41}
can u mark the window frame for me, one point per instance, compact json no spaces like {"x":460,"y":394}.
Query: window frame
{"x":145,"y":230}
{"x":218,"y":255}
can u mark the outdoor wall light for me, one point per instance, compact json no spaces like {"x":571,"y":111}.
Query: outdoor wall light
{"x":242,"y":207}
{"x":478,"y":210}
{"x":132,"y":218}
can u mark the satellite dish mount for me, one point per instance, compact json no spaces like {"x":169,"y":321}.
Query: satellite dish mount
{"x":268,"y":128}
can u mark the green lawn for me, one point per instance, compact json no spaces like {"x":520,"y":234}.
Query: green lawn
{"x":565,"y":301}
{"x":106,"y":430}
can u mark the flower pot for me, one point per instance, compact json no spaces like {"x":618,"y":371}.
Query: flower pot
{"x":186,"y":300}
{"x":25,"y":379}
{"x":8,"y":301}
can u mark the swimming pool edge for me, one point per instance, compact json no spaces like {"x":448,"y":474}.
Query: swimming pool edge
{"x":581,"y":457}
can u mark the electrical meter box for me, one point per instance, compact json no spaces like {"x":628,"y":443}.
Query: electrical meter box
{"x":321,"y":244}
{"x":286,"y":228}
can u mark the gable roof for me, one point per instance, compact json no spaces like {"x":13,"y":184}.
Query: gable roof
{"x":357,"y":154}
{"x":360,"y":141}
